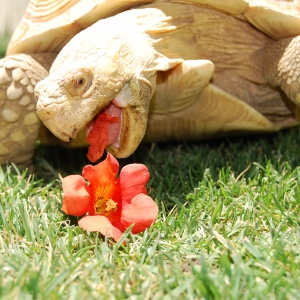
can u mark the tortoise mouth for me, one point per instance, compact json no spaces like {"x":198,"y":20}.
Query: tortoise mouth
{"x":104,"y":130}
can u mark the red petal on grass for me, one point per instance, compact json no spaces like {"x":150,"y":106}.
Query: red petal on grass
{"x":142,"y":212}
{"x":76,"y":200}
{"x":132,"y":181}
{"x":105,"y":131}
{"x":101,"y":224}
{"x":102,"y":174}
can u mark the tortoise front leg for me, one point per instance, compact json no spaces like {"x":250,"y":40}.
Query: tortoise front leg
{"x":186,"y":106}
{"x":18,"y":120}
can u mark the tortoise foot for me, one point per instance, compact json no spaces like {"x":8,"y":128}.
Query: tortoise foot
{"x":18,"y":120}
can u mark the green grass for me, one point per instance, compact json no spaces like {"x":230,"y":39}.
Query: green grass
{"x":3,"y":42}
{"x":228,"y":226}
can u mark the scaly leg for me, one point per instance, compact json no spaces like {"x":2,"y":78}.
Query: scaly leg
{"x":18,"y":120}
{"x":281,"y":67}
{"x":186,"y":106}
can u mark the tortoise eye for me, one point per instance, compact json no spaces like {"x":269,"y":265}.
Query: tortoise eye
{"x":80,"y":82}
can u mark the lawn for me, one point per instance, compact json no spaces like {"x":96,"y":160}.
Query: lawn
{"x":227,"y":229}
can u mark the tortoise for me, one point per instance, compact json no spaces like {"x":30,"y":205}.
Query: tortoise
{"x":122,"y":72}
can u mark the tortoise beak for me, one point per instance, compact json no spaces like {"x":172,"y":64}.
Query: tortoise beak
{"x":60,"y":127}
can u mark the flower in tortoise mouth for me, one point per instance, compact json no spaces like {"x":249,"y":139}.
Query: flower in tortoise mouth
{"x":110,"y":204}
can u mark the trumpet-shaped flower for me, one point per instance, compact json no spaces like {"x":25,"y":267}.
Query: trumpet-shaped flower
{"x":110,"y":204}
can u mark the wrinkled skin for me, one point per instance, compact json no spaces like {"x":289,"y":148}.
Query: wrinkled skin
{"x":160,"y":72}
{"x":118,"y":67}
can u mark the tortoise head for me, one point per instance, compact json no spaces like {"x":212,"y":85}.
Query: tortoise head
{"x":103,"y":66}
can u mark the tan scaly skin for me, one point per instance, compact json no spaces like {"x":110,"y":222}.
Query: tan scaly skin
{"x":18,"y":120}
{"x":178,"y":71}
{"x":122,"y":63}
{"x":120,"y":66}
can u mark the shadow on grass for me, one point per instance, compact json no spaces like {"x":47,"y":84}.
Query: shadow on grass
{"x":176,"y":168}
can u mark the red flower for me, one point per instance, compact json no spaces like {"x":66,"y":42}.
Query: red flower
{"x":112,"y":204}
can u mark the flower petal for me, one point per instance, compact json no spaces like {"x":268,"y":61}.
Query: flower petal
{"x":103,"y":173}
{"x":76,"y":200}
{"x":103,"y":131}
{"x":142,"y":212}
{"x":101,"y":224}
{"x":97,"y":137}
{"x":132,"y":181}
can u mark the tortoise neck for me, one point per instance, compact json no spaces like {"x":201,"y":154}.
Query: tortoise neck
{"x":45,"y":59}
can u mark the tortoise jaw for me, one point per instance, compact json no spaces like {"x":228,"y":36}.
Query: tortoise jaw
{"x":132,"y":131}
{"x":116,"y":129}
